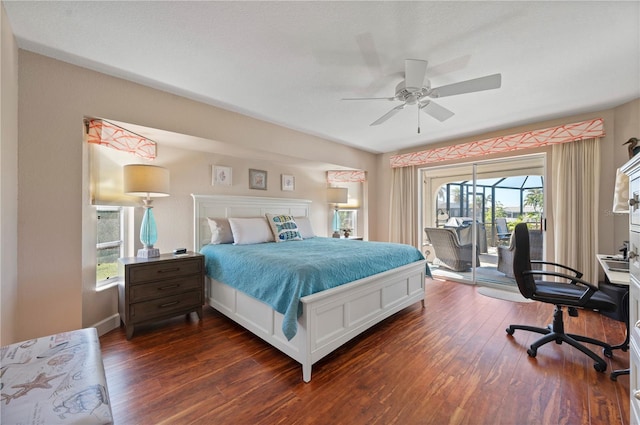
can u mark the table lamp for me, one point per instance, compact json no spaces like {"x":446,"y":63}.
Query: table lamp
{"x":335,"y":196}
{"x":147,"y":181}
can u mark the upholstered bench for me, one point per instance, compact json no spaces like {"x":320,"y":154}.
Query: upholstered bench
{"x":57,"y":379}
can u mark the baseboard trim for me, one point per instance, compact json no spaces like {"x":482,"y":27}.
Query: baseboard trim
{"x":108,"y":324}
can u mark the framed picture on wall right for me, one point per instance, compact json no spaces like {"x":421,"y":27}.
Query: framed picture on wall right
{"x":288,"y":182}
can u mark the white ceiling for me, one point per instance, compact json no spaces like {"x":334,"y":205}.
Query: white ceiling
{"x":290,"y":63}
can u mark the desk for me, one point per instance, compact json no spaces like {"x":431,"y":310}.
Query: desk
{"x":617,"y":286}
{"x":615,"y":277}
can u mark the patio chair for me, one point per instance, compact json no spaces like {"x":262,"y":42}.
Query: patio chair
{"x":505,"y":253}
{"x":502,"y":231}
{"x":449,"y":251}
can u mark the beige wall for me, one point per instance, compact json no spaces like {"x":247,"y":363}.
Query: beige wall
{"x":9,"y":181}
{"x":56,"y":266}
{"x":191,"y":173}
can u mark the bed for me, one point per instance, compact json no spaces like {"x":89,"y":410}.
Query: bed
{"x":325,"y":320}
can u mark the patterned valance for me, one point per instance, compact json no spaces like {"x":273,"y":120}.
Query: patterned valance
{"x":349,"y":176}
{"x":527,"y":140}
{"x":104,"y":133}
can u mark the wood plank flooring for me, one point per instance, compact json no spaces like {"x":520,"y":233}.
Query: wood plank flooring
{"x":450,"y":363}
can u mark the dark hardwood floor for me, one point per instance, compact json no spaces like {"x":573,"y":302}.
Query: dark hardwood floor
{"x":451,"y":362}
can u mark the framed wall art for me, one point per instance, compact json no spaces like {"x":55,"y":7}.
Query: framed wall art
{"x":257,"y":179}
{"x":288,"y":182}
{"x":222,"y":176}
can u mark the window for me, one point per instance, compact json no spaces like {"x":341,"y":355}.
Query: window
{"x":109,"y":246}
{"x":348,"y":219}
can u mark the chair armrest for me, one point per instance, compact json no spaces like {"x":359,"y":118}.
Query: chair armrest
{"x":578,"y":273}
{"x":586,"y":295}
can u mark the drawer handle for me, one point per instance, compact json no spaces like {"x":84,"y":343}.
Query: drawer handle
{"x":638,"y":324}
{"x":175,"y":269}
{"x":177,"y":285}
{"x":636,"y":394}
{"x":169,"y":304}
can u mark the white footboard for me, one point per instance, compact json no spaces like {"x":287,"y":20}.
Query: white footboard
{"x":330,"y":318}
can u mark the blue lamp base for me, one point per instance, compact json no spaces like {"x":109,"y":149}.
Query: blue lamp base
{"x":336,"y":230}
{"x":148,"y":233}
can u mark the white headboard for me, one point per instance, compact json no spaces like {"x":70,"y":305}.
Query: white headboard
{"x":216,"y":206}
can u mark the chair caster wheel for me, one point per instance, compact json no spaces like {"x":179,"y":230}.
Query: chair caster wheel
{"x":531,"y":352}
{"x":510,"y":331}
{"x":599,"y":367}
{"x":607,"y":352}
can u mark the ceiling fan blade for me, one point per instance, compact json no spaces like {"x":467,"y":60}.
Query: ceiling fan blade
{"x":368,"y":98}
{"x":388,"y":115}
{"x":414,"y":72}
{"x":436,"y":111}
{"x":477,"y":84}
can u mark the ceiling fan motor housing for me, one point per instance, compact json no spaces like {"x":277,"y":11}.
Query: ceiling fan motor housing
{"x":412,"y":95}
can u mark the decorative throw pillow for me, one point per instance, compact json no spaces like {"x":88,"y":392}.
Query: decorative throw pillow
{"x":304,"y":227}
{"x":220,"y":230}
{"x":284,"y":228}
{"x":250,"y":230}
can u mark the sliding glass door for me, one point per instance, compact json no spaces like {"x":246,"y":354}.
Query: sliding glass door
{"x":469,"y":210}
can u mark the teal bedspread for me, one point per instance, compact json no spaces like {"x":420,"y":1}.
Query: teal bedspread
{"x":279,"y":274}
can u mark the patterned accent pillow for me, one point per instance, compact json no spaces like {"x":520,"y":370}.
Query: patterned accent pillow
{"x":284,"y":228}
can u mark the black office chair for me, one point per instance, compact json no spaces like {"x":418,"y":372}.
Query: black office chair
{"x":572,"y":292}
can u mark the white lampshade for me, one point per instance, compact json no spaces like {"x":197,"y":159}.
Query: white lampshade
{"x":621,"y":193}
{"x":337,"y":195}
{"x":146,"y":180}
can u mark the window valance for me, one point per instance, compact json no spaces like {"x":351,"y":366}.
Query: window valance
{"x":527,"y":140}
{"x":348,"y":176}
{"x":104,"y":133}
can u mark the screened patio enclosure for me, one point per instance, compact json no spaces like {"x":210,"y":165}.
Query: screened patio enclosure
{"x":516,"y":198}
{"x":481,"y":202}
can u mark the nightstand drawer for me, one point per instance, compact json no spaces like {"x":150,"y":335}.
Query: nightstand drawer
{"x":164,"y":288}
{"x":163,"y":270}
{"x":165,"y":306}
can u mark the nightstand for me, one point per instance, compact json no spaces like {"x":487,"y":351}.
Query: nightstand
{"x":152,"y":289}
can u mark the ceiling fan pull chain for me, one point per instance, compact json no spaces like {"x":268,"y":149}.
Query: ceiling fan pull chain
{"x":418,"y":119}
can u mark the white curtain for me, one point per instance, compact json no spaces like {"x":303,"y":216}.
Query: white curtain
{"x":403,"y":209}
{"x":576,"y":187}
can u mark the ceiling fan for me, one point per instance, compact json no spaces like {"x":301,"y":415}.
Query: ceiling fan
{"x":416,"y":90}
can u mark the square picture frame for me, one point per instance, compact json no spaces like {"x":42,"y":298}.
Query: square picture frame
{"x":222,"y":176}
{"x":257,"y":179}
{"x":288,"y":182}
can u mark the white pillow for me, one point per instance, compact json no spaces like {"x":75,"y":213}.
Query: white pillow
{"x":250,"y":230}
{"x":220,"y":230}
{"x":304,"y":227}
{"x":284,"y":228}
